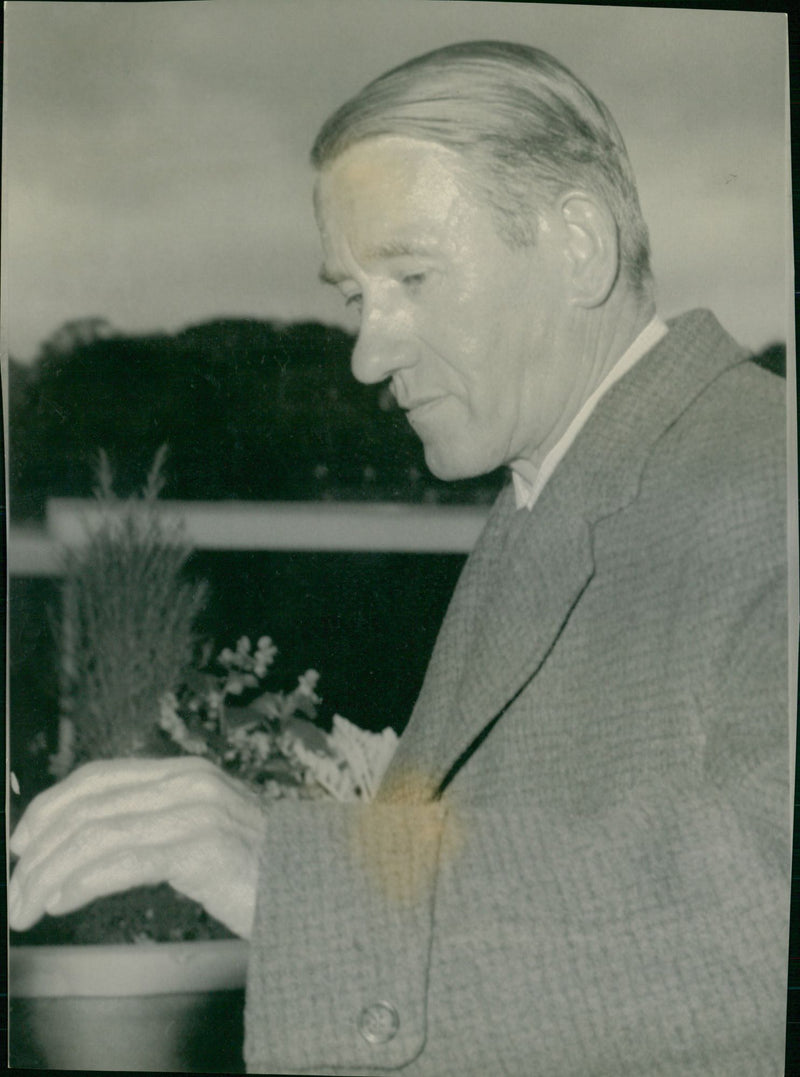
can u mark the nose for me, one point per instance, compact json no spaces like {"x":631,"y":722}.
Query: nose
{"x":384,"y":346}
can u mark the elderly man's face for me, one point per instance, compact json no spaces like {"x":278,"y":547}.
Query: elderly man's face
{"x":472,"y":335}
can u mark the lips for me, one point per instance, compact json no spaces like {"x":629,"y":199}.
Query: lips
{"x":419,"y":408}
{"x":415,"y":407}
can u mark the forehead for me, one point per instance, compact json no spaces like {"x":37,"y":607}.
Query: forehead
{"x":386,"y":185}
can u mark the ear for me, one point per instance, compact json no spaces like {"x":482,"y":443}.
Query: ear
{"x":591,"y":247}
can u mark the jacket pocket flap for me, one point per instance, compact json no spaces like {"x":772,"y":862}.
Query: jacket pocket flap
{"x":342,"y":936}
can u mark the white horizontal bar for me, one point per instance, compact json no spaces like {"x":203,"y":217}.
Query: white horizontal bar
{"x":235,"y":525}
{"x":126,"y":970}
{"x":32,"y":553}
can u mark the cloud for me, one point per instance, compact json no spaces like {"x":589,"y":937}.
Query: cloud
{"x":156,"y":154}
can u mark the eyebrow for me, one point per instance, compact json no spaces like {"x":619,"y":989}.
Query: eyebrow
{"x":383,"y":252}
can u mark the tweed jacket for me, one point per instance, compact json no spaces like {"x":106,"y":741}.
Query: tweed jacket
{"x":578,"y":863}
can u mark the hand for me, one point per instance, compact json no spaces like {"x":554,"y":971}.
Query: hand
{"x":113,"y":825}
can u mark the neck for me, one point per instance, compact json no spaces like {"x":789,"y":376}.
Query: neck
{"x":606,"y":334}
{"x":599,"y":336}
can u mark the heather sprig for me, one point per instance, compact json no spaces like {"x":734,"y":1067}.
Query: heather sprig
{"x":126,"y":626}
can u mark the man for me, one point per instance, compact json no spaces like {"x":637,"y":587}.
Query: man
{"x":578,"y":860}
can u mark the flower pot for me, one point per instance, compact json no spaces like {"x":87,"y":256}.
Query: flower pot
{"x":157,"y":1007}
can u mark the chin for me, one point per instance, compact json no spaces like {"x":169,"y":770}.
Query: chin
{"x":451,"y":466}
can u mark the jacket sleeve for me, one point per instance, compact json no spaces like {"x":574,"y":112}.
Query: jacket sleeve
{"x":649,"y":939}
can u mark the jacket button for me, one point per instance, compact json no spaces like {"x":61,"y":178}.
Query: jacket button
{"x":379,"y":1022}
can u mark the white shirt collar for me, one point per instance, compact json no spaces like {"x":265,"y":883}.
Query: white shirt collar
{"x":530,"y":481}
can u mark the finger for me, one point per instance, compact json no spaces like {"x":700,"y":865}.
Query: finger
{"x":37,"y":880}
{"x":116,"y":871}
{"x":220,"y":871}
{"x":190,"y":787}
{"x":216,"y":865}
{"x":65,"y":869}
{"x":228,"y":891}
{"x":94,"y":780}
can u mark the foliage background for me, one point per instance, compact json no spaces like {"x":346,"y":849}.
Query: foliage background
{"x":249,"y":409}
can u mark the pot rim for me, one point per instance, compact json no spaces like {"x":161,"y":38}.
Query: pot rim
{"x":125,"y":969}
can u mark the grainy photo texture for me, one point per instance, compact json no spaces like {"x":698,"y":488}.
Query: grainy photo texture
{"x":402,"y":573}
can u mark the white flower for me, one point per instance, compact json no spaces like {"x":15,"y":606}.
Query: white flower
{"x":331,"y":774}
{"x":306,"y":683}
{"x":264,"y":656}
{"x":359,"y":760}
{"x":167,"y":707}
{"x":234,"y":685}
{"x":261,"y":744}
{"x":367,"y":754}
{"x":172,"y":723}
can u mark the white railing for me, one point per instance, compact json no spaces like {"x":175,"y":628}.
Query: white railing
{"x":237,"y":525}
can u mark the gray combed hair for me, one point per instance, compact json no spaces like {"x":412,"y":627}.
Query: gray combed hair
{"x":526,"y":126}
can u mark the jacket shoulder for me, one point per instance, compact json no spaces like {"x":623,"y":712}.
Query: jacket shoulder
{"x":736,"y":426}
{"x":721,"y":467}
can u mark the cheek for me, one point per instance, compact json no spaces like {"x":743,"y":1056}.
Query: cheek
{"x":465,"y":333}
{"x":485,"y":351}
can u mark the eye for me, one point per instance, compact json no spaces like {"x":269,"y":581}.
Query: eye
{"x":412,"y":281}
{"x":353,"y":301}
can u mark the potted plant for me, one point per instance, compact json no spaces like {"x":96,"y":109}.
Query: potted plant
{"x":148,"y":980}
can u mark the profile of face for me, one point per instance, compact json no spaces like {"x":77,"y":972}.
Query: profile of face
{"x":475,"y":337}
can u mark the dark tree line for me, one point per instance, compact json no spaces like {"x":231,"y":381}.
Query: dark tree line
{"x":249,"y":410}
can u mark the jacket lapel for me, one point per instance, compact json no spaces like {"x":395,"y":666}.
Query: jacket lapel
{"x":530,"y":569}
{"x":546,"y":564}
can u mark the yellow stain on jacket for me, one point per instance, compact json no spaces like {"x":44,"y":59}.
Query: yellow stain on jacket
{"x":401,"y":839}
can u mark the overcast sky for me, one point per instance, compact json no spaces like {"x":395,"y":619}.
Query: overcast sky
{"x":156,"y":167}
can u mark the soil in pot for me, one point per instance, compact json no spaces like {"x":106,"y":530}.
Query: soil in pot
{"x":143,"y":914}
